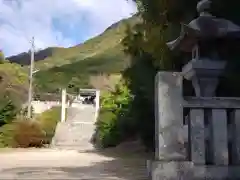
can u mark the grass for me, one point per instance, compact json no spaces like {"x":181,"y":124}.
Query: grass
{"x":48,"y":121}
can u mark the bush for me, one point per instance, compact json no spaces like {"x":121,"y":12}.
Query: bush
{"x":22,"y":133}
{"x":48,"y":121}
{"x":108,"y":132}
{"x":113,"y":122}
{"x":29,"y":134}
{"x":26,"y":133}
{"x":7,"y":135}
{"x":8,"y":113}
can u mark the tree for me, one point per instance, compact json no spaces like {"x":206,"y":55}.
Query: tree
{"x":2,"y":57}
{"x":104,"y":82}
{"x":161,"y":23}
{"x":8,"y":113}
{"x":145,"y":42}
{"x":13,"y":90}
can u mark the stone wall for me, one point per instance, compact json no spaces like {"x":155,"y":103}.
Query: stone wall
{"x":41,"y":106}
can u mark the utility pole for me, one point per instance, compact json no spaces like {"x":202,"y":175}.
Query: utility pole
{"x":63,"y":110}
{"x":29,"y":113}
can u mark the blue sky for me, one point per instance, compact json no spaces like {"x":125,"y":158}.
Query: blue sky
{"x":56,"y":22}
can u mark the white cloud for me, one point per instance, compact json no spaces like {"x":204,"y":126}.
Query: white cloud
{"x":20,"y":20}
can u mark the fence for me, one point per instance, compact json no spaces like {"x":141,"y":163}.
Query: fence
{"x":212,"y":125}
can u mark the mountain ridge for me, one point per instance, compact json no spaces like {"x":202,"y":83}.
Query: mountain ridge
{"x":55,"y":52}
{"x":73,"y":67}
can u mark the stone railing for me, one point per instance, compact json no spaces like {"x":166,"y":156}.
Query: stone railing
{"x":213,"y":129}
{"x":196,"y":137}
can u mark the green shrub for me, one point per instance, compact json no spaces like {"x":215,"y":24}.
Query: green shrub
{"x":48,"y":121}
{"x":114,"y":121}
{"x":8,"y":113}
{"x":108,"y":133}
{"x":7,"y":135}
{"x":22,"y":133}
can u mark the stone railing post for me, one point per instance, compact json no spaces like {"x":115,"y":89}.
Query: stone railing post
{"x":170,"y":154}
{"x":169,"y":117}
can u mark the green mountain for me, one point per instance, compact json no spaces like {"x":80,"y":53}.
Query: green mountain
{"x":72,"y":67}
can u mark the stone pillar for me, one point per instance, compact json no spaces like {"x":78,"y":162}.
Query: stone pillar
{"x":197,"y":136}
{"x":97,"y":103}
{"x":219,"y":136}
{"x":63,"y":110}
{"x":169,"y":117}
{"x":236,"y":137}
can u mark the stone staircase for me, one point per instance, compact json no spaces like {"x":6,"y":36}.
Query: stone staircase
{"x":77,"y":131}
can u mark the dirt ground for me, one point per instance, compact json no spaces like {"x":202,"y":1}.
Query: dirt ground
{"x":71,"y":164}
{"x":126,"y":162}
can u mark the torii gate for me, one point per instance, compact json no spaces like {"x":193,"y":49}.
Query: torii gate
{"x":95,"y":92}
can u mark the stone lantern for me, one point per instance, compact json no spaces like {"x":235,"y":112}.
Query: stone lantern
{"x":205,"y":37}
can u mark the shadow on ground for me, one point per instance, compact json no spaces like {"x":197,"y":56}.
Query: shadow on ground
{"x":127,"y":162}
{"x":107,"y":170}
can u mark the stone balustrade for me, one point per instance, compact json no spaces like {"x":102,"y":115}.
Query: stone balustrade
{"x":196,"y":137}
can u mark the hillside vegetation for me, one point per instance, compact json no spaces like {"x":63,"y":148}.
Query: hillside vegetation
{"x":16,"y":130}
{"x":76,"y":75}
{"x":13,"y":91}
{"x":72,"y":67}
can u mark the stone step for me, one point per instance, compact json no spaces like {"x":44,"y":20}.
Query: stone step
{"x":78,"y":129}
{"x":75,"y":131}
{"x":73,"y":141}
{"x":67,"y":147}
{"x":73,"y":145}
{"x":76,"y":134}
{"x":80,"y":122}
